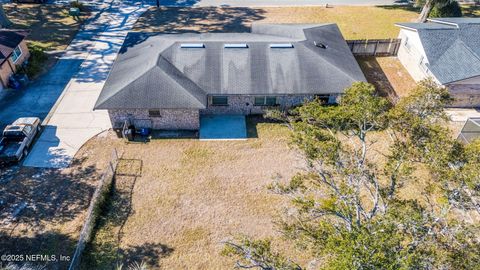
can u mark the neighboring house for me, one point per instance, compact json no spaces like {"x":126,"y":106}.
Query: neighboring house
{"x":173,"y":79}
{"x":447,"y":50}
{"x":13,"y":52}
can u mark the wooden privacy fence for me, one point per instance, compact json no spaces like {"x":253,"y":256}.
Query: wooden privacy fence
{"x":98,"y":198}
{"x":374,"y":47}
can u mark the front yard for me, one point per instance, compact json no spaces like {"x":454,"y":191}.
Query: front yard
{"x":189,"y":196}
{"x":51,"y":28}
{"x":354,"y":22}
{"x":42,"y":210}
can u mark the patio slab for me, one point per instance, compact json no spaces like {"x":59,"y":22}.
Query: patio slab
{"x":223,"y":127}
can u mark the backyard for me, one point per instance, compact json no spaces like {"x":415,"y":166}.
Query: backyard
{"x":175,"y":201}
{"x":188,"y":196}
{"x":51,"y":29}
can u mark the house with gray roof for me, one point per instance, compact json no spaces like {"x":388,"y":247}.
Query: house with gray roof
{"x":171,"y":80}
{"x":446,"y":50}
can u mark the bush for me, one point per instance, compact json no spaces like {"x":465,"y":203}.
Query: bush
{"x":452,"y":9}
{"x":77,"y":4}
{"x":37,"y":59}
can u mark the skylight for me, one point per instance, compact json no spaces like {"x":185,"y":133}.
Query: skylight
{"x":236,"y":45}
{"x":192,"y":45}
{"x":281,"y":45}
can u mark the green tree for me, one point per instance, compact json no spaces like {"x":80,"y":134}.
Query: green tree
{"x":451,"y":9}
{"x":427,"y":8}
{"x":345,"y":209}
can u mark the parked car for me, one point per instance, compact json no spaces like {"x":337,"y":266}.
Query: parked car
{"x":17,"y":139}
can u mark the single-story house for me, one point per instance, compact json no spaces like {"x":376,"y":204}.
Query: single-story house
{"x":447,"y":50}
{"x":13,"y":52}
{"x":173,"y":79}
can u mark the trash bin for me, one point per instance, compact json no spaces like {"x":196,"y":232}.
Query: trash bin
{"x":144,"y":131}
{"x":74,"y":11}
{"x":129,"y":134}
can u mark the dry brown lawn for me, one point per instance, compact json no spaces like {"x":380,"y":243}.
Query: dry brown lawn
{"x":355,"y":22}
{"x":42,"y":210}
{"x":388,"y":75}
{"x":50,"y":26}
{"x":191,"y":196}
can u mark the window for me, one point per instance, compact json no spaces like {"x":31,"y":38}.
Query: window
{"x":16,"y":54}
{"x":406,"y":44}
{"x":265,"y":101}
{"x":154,"y":113}
{"x":325,"y":99}
{"x":219,"y":100}
{"x":423,"y":64}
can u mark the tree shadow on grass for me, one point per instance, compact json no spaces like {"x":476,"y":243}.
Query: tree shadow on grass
{"x":375,"y":75}
{"x":105,"y":249}
{"x":471,"y":11}
{"x":409,"y":7}
{"x":39,"y":197}
{"x":198,"y":20}
{"x":48,"y":243}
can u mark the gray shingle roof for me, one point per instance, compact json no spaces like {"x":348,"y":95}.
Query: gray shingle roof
{"x":153,"y":71}
{"x":452,"y":47}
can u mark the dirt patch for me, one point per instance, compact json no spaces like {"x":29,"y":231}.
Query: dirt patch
{"x":190,"y":196}
{"x":388,"y":75}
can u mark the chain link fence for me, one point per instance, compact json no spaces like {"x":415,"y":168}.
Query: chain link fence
{"x":98,"y":199}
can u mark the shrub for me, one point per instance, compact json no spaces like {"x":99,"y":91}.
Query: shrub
{"x":37,"y":59}
{"x":452,"y":9}
{"x":77,"y":4}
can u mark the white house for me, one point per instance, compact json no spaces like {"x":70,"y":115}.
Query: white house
{"x":446,"y":50}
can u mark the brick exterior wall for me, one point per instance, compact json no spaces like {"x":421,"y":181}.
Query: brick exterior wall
{"x":242,"y":104}
{"x":169,"y":119}
{"x":465,"y":95}
{"x":176,"y":119}
{"x":6,"y":71}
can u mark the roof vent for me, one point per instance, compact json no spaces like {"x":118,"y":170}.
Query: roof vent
{"x":192,"y":45}
{"x":320,"y":45}
{"x":236,"y":45}
{"x":281,"y":46}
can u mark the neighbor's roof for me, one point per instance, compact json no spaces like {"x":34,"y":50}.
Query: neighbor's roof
{"x":452,"y":47}
{"x":9,"y":40}
{"x":470,"y":131}
{"x":153,"y":71}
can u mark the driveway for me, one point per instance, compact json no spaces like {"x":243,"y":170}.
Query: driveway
{"x":72,"y":121}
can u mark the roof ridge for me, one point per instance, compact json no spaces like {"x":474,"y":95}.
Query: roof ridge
{"x":97,"y":104}
{"x":329,"y":63}
{"x":183,"y":75}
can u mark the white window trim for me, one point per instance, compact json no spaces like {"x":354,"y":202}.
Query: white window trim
{"x":14,"y":55}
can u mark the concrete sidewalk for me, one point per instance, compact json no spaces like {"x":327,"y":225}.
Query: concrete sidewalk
{"x":72,"y":121}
